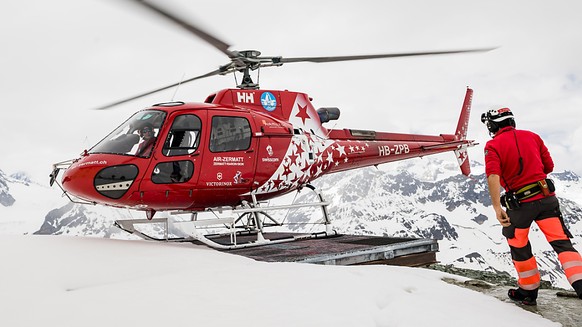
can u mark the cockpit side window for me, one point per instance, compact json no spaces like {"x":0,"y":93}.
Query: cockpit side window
{"x":184,"y":136}
{"x":230,"y":134}
{"x":137,"y":136}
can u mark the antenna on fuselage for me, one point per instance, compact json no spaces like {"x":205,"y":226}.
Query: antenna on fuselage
{"x":177,"y":87}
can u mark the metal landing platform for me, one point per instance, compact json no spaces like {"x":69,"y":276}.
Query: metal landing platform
{"x":345,"y":250}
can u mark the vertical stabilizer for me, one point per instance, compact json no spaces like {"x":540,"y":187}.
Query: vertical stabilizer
{"x":463,"y":125}
{"x":461,"y":133}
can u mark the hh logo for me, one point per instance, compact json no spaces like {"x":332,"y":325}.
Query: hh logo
{"x":245,"y":97}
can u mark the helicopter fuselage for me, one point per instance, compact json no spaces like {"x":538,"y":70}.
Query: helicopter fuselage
{"x":237,"y":142}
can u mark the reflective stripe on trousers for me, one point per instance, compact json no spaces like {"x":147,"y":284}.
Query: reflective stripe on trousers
{"x":528,"y":274}
{"x":572,"y":265}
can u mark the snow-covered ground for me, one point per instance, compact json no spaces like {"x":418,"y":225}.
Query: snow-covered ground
{"x":32,"y":202}
{"x":81,"y":281}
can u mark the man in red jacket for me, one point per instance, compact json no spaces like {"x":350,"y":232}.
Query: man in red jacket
{"x":518,"y":161}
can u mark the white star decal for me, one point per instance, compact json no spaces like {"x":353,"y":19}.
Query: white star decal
{"x":330,"y":157}
{"x":341,"y":149}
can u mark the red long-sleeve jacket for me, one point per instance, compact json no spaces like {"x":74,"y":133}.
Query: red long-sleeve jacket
{"x":502,"y":155}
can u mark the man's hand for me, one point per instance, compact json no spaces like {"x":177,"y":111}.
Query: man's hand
{"x":494,"y":190}
{"x":502,"y":217}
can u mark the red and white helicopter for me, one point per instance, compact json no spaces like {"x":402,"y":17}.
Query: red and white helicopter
{"x":237,"y":149}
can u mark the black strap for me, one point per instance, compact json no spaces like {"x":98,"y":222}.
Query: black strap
{"x":519,"y":154}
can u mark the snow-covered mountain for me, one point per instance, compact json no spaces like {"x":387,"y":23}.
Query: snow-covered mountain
{"x":6,"y":199}
{"x":430,"y":199}
{"x":425,"y":198}
{"x":24,"y":203}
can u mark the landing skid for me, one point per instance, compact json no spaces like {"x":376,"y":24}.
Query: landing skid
{"x":244,"y":226}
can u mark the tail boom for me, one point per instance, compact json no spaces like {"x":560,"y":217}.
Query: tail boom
{"x":373,"y":148}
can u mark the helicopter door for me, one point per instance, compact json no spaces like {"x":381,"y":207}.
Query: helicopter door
{"x":229,"y":161}
{"x":173,"y":172}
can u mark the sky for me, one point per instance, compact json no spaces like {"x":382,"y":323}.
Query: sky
{"x":62,"y":58}
{"x":76,"y":281}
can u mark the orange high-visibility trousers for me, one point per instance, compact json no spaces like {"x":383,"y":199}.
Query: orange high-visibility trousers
{"x":546,"y":213}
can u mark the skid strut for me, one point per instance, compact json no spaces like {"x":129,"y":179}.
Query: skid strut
{"x":241,"y":222}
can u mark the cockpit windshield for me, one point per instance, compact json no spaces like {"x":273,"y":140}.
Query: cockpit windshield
{"x":136,"y":137}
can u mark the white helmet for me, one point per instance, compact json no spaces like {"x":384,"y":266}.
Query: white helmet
{"x":497,"y":118}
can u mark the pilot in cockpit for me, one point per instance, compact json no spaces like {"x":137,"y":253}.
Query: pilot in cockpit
{"x":148,"y":137}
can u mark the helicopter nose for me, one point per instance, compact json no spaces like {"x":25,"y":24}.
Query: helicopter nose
{"x":93,"y":183}
{"x":78,"y":181}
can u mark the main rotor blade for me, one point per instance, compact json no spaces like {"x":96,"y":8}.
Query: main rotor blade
{"x":212,"y":73}
{"x":378,"y":56}
{"x":214,"y":41}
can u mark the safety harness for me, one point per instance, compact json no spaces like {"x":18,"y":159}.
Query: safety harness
{"x":545,"y":186}
{"x":512,"y":200}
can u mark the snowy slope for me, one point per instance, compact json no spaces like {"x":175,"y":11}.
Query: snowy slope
{"x":74,"y":281}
